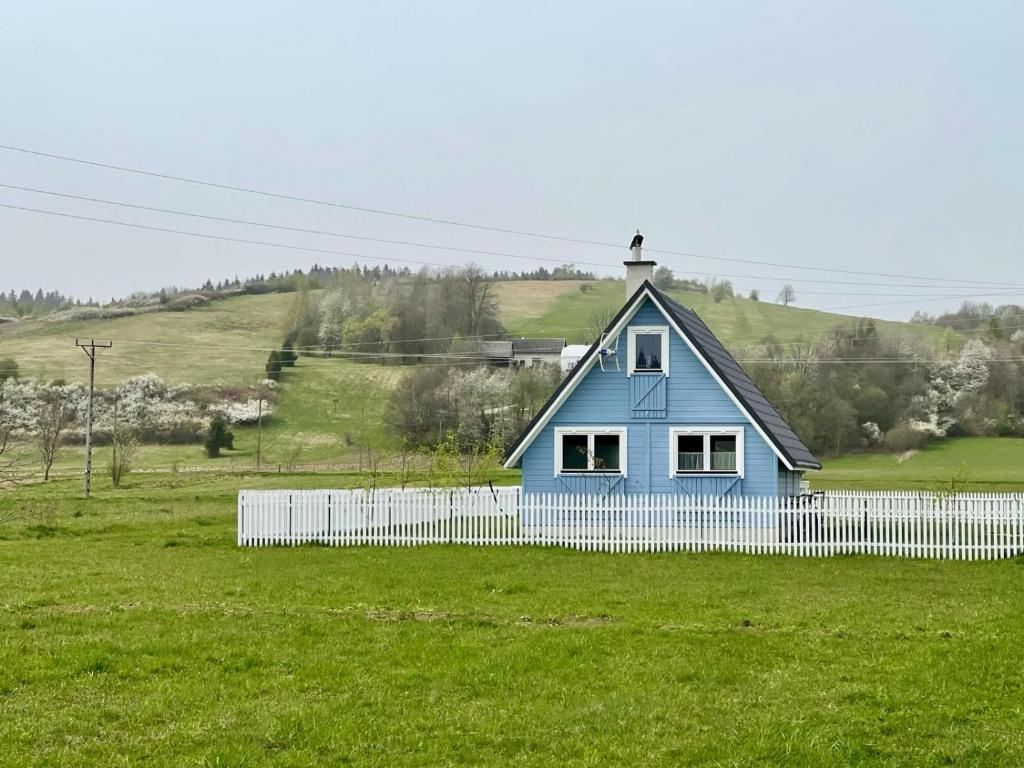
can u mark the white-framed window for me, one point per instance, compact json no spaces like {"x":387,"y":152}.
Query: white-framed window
{"x":705,"y":451}
{"x":648,"y":349}
{"x":590,"y":450}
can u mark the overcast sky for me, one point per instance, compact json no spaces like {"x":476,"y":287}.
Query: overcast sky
{"x":882,"y":137}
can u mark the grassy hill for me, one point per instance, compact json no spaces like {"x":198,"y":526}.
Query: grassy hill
{"x":225,"y":342}
{"x":560,"y":308}
{"x":219,"y":343}
{"x":328,"y":410}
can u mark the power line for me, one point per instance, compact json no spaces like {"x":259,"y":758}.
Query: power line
{"x":303,"y":230}
{"x":505,"y":336}
{"x":412,"y":243}
{"x":923,"y":298}
{"x":478,"y":358}
{"x":300,"y":199}
{"x":468,"y":225}
{"x":224,"y":238}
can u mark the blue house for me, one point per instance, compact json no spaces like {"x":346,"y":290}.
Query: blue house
{"x":658,"y":405}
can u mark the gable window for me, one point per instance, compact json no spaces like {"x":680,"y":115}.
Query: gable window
{"x":590,"y":450}
{"x":648,"y":349}
{"x":706,"y":450}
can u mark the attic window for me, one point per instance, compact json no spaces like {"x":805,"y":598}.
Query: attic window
{"x":706,"y":450}
{"x":648,"y":349}
{"x":590,"y":450}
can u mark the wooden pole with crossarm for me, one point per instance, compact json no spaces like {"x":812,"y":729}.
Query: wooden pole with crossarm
{"x":90,"y":347}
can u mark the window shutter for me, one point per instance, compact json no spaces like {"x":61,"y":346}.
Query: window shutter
{"x":648,"y":396}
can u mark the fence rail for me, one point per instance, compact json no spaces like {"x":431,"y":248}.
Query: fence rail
{"x":968,"y":526}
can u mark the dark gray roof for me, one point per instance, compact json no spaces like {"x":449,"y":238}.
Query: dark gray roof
{"x":763,"y":412}
{"x":537,"y":346}
{"x":495,"y":349}
{"x":729,"y":371}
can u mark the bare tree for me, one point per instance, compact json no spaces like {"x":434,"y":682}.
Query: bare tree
{"x":787,"y":295}
{"x":405,"y":456}
{"x":54,"y":416}
{"x":598,"y":321}
{"x":124,"y":443}
{"x":15,"y":468}
{"x":478,"y":297}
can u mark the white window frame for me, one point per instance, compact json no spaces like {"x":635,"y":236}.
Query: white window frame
{"x":591,"y":432}
{"x":661,"y":330}
{"x":707,"y":433}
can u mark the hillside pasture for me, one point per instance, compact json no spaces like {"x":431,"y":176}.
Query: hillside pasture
{"x":738,"y":322}
{"x":225,"y":342}
{"x":328,"y":412}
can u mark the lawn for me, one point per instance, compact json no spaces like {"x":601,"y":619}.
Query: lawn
{"x":965,"y":464}
{"x":133,"y":631}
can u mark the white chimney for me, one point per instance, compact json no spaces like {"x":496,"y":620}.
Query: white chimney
{"x":637,"y":270}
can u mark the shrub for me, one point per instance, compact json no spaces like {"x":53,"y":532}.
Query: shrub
{"x":274,"y":366}
{"x":218,"y":436}
{"x":722,"y":290}
{"x":124,"y":443}
{"x":8,"y":368}
{"x":287,"y":354}
{"x":903,"y":437}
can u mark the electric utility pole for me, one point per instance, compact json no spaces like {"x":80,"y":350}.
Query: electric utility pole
{"x":90,"y":347}
{"x":259,"y":433}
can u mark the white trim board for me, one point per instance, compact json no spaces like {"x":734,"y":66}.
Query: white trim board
{"x":584,"y":367}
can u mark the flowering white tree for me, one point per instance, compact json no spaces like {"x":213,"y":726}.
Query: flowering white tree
{"x":482,"y":402}
{"x":14,"y":464}
{"x":145,"y":404}
{"x":935,"y":411}
{"x":333,"y":311}
{"x":248,"y":412}
{"x":969,"y":372}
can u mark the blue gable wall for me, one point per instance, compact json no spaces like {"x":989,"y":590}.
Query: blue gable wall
{"x":603,"y":398}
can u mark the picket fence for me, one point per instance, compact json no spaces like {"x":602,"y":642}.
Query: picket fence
{"x":966,"y":526}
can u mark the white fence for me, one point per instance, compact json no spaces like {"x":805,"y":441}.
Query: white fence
{"x":903,"y":524}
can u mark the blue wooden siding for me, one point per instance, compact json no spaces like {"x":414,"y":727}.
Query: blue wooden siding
{"x":789,"y":481}
{"x":691,"y":397}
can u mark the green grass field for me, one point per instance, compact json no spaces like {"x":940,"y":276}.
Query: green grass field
{"x":133,"y":631}
{"x":968,"y":464}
